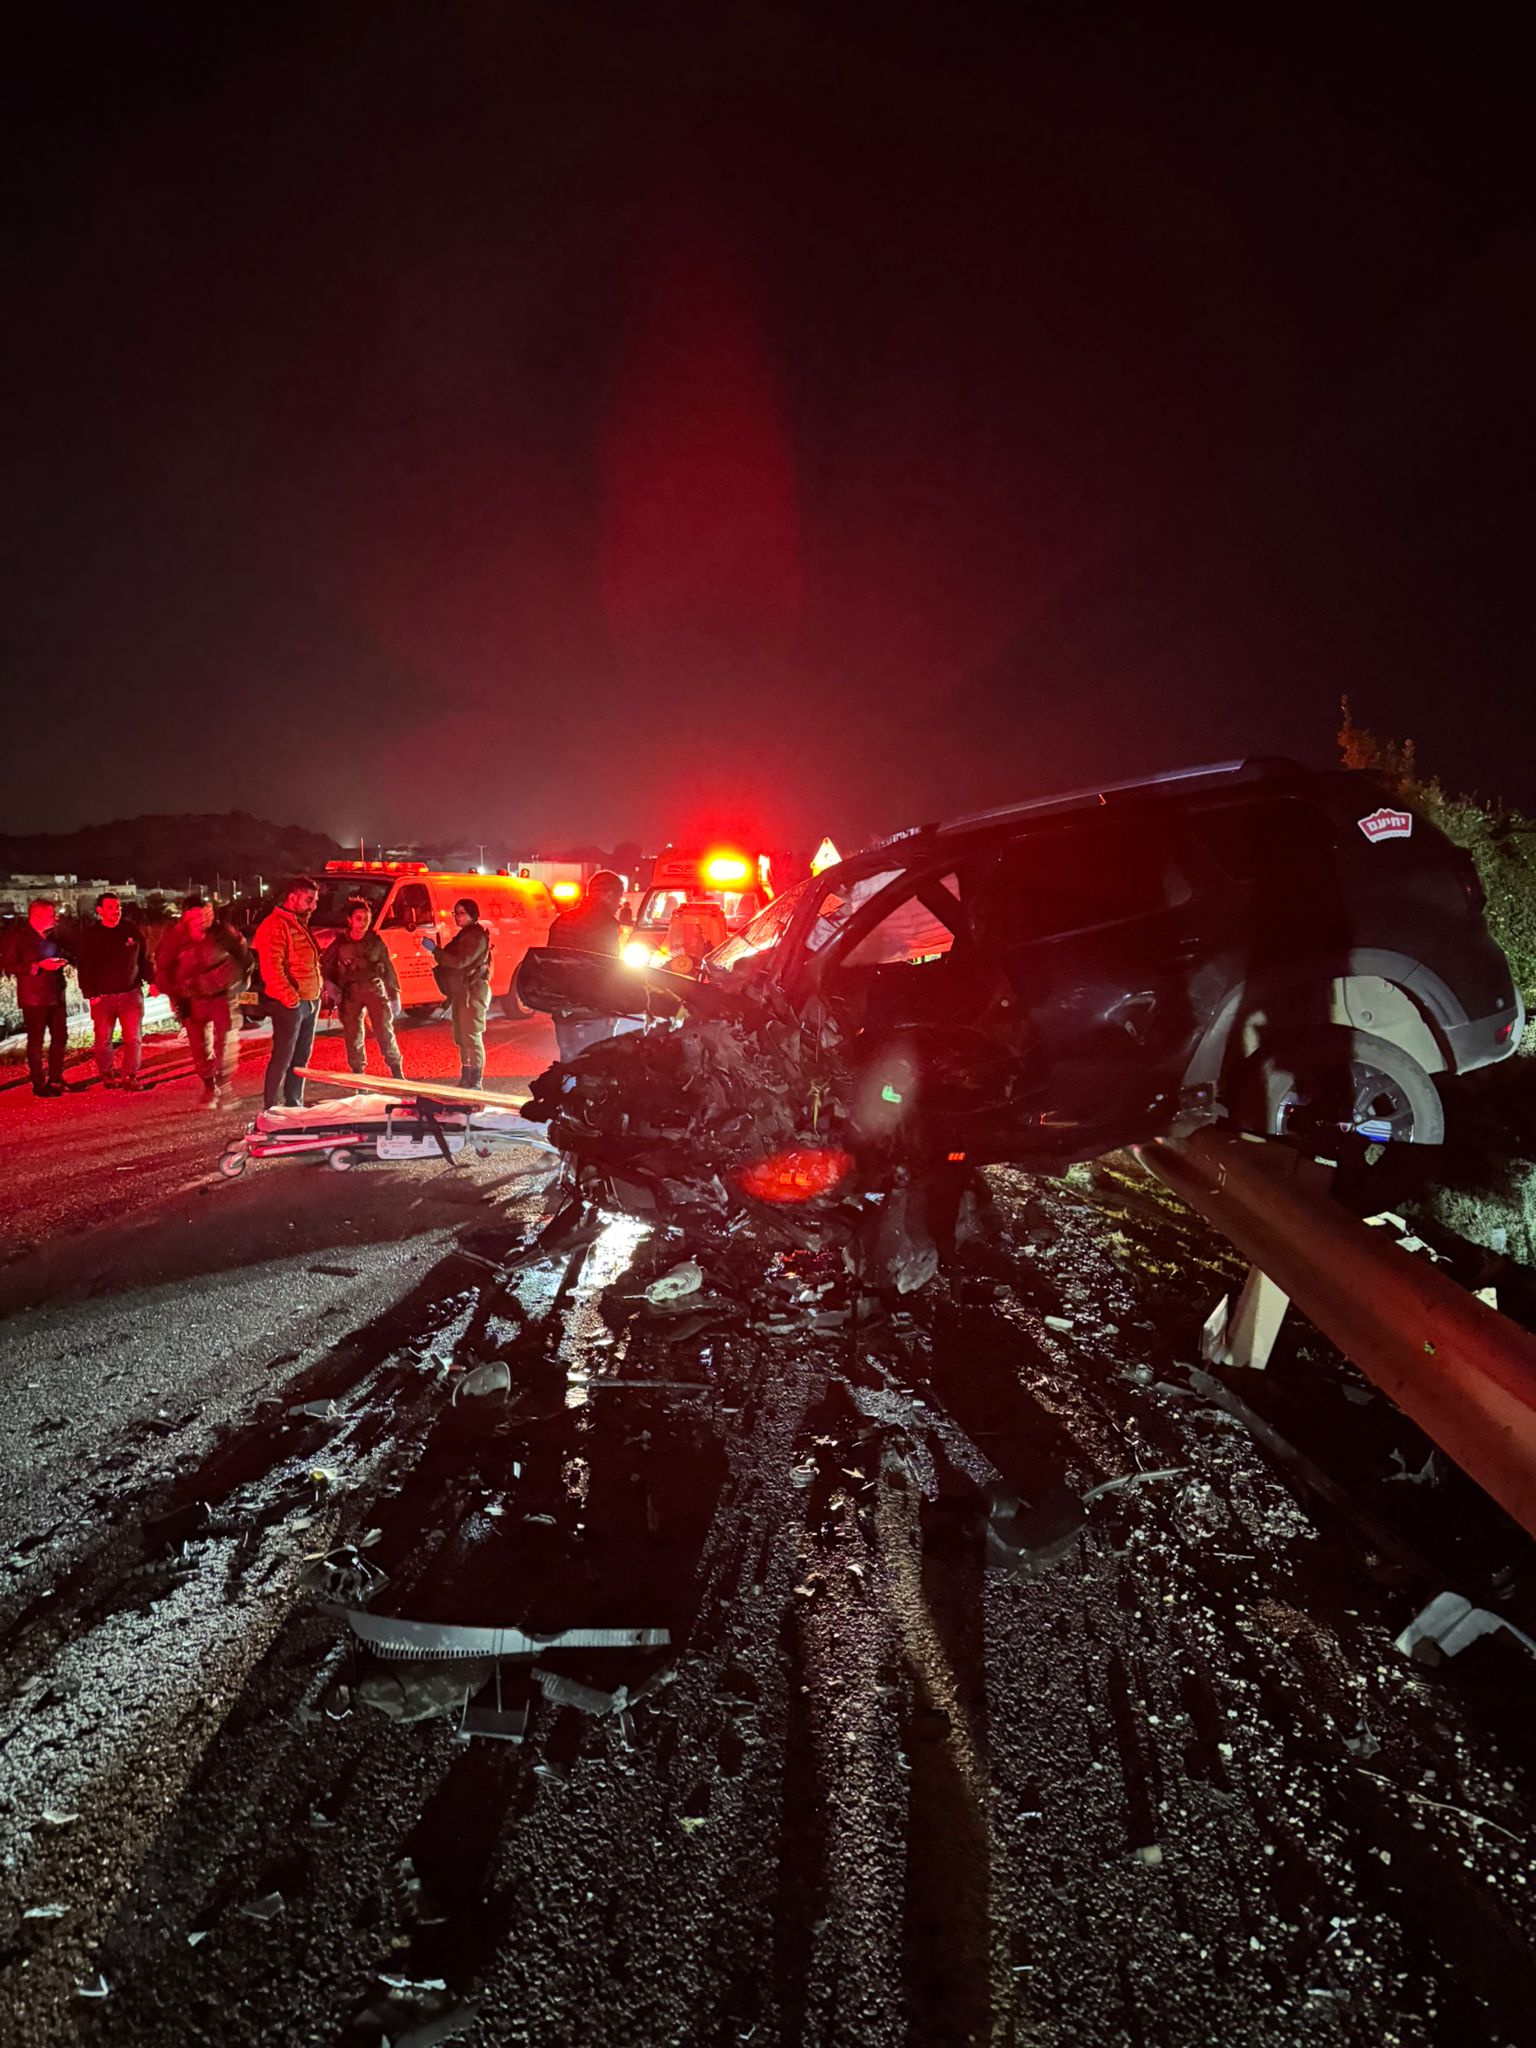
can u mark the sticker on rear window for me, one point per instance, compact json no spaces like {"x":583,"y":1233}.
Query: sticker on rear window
{"x":1387,"y":825}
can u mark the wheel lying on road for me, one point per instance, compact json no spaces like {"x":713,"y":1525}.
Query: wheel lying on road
{"x":234,"y":1162}
{"x":1338,"y":1080}
{"x":342,"y":1159}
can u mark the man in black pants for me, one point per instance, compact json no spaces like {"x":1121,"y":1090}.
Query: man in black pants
{"x":38,"y":961}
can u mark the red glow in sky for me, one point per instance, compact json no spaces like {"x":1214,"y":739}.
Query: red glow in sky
{"x":701,"y":529}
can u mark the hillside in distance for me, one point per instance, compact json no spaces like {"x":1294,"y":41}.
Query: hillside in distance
{"x":163,"y":850}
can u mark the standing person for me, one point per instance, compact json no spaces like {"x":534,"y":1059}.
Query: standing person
{"x":37,"y":959}
{"x":463,"y":973}
{"x":114,"y":962}
{"x":357,"y":965}
{"x":591,"y":927}
{"x":289,"y":962}
{"x":202,"y":967}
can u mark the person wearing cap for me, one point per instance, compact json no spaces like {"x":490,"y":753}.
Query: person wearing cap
{"x":462,"y":970}
{"x":202,"y":967}
{"x":591,"y":926}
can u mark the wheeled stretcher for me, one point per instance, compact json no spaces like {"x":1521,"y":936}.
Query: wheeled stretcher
{"x":385,"y":1127}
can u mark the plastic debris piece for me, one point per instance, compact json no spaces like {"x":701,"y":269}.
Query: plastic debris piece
{"x":690,"y":1823}
{"x":484,"y":1381}
{"x":432,"y":1639}
{"x":100,"y":1988}
{"x":1063,"y":1324}
{"x":685,"y":1279}
{"x":319,"y":1411}
{"x":561,"y":1691}
{"x":51,"y":1912}
{"x":52,"y":1818}
{"x":414,"y":1983}
{"x":1446,"y":1626}
{"x":1363,"y":1742}
{"x":201,"y":1934}
{"x":412,"y":1696}
{"x":267,"y":1907}
{"x":1133,"y":1479}
{"x":1428,"y":1474}
{"x":1149,"y":1853}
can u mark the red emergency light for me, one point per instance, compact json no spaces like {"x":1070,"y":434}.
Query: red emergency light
{"x":566,"y":892}
{"x":727,"y":870}
{"x":376,"y":867}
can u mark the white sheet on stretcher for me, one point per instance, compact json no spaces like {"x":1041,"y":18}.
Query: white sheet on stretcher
{"x":341,"y":1109}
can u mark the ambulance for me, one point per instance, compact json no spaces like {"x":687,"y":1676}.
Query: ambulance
{"x":411,"y":902}
{"x":695,"y":902}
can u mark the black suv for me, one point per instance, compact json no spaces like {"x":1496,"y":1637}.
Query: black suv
{"x":1290,"y":949}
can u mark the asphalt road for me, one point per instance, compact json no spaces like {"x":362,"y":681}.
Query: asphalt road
{"x":1013,"y":1690}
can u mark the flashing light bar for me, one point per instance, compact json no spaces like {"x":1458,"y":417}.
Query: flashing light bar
{"x":376,"y":867}
{"x":725,"y":870}
{"x":565,"y":892}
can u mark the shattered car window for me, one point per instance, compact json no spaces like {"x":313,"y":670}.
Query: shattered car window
{"x":908,"y":934}
{"x":762,"y":934}
{"x":840,"y":902}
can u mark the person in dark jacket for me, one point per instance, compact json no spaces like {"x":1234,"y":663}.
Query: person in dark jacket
{"x":591,"y":927}
{"x":114,"y":962}
{"x":463,"y":973}
{"x":37,"y":958}
{"x":357,"y":965}
{"x":202,"y":967}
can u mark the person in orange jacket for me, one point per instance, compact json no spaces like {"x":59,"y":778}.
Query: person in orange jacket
{"x":289,"y":961}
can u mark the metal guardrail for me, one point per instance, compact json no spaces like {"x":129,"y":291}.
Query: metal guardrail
{"x":1463,"y":1372}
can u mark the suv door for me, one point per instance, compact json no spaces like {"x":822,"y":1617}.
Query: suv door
{"x":1095,"y":923}
{"x":940,"y":1050}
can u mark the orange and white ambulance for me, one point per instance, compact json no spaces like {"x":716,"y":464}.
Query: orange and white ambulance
{"x":695,"y":901}
{"x":411,"y":901}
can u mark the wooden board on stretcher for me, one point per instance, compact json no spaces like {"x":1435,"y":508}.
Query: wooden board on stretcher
{"x":412,"y":1091}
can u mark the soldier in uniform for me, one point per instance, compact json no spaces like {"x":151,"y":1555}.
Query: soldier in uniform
{"x":357,"y":965}
{"x":463,"y":973}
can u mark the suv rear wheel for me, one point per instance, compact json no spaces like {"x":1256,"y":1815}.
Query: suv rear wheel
{"x":1338,"y":1080}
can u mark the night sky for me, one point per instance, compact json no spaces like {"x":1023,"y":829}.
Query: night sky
{"x":577,"y":422}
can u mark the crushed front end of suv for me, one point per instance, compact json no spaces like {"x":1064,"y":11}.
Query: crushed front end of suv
{"x":1288,"y":950}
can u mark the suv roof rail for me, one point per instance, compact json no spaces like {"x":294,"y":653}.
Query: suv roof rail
{"x":1210,"y":775}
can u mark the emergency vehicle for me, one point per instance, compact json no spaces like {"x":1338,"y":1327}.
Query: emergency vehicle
{"x":411,"y":902}
{"x":695,"y":902}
